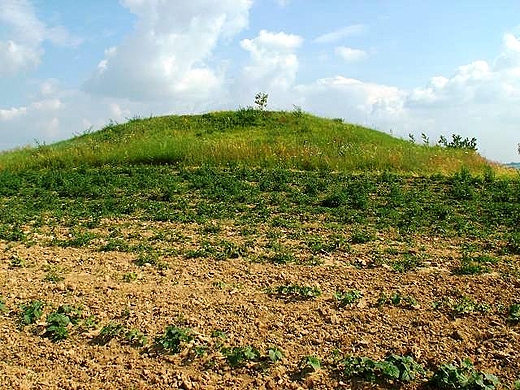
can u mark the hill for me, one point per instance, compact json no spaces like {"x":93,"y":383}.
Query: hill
{"x":252,"y":137}
{"x":256,"y":250}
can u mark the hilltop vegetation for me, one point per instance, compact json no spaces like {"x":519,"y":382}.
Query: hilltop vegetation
{"x":251,"y":137}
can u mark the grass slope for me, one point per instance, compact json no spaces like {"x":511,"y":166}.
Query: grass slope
{"x":255,"y":138}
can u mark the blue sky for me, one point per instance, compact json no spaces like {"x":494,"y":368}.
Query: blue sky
{"x":433,"y":67}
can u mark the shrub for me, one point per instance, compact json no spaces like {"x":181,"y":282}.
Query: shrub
{"x":457,"y":142}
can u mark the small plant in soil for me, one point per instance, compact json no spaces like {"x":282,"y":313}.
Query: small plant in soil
{"x":219,"y":337}
{"x":474,"y":265}
{"x":150,"y":259}
{"x":239,"y":356}
{"x":117,"y":331}
{"x":310,"y":363}
{"x":172,"y":339}
{"x":53,"y":274}
{"x":74,"y":313}
{"x":296,"y":291}
{"x":407,"y":262}
{"x":57,"y":326}
{"x":461,"y":306}
{"x":345,"y":298}
{"x":394,"y":368}
{"x":514,"y":313}
{"x":16,"y":262}
{"x":275,"y":354}
{"x":109,"y":331}
{"x":362,"y":237}
{"x":467,"y":305}
{"x":513,"y":244}
{"x":135,"y":338}
{"x":129,"y":277}
{"x":31,"y":312}
{"x":88,"y":323}
{"x":3,"y":308}
{"x":396,"y":299}
{"x":463,"y":376}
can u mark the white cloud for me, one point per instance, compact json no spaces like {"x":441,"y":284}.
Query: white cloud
{"x":15,"y":57}
{"x":12,"y":113}
{"x":273,"y":65}
{"x":21,"y":44}
{"x":342,"y":33}
{"x":353,"y":99}
{"x":351,"y":55}
{"x":168,"y":55}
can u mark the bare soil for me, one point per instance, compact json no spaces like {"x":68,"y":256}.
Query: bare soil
{"x":231,"y":296}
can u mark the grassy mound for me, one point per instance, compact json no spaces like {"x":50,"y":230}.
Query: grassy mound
{"x":250,"y":137}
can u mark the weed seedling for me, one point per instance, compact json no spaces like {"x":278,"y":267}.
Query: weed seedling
{"x":514,"y":313}
{"x":295,"y":291}
{"x":130,"y":277}
{"x":150,"y":259}
{"x":239,"y":356}
{"x":462,"y":376}
{"x":275,"y":354}
{"x":57,"y":324}
{"x":466,"y":305}
{"x":362,"y":237}
{"x":16,"y":262}
{"x":396,"y":299}
{"x":310,"y":363}
{"x":110,"y":331}
{"x":74,"y":313}
{"x":31,"y":312}
{"x":347,"y":297}
{"x":393,"y":368}
{"x":53,"y":274}
{"x":407,"y":263}
{"x":135,"y":338}
{"x":172,"y":339}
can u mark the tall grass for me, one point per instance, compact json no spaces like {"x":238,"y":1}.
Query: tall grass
{"x":256,"y":138}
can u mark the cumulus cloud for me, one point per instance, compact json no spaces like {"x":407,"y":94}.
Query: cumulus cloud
{"x":357,"y":101}
{"x":168,"y":55}
{"x":273,"y":63}
{"x":351,"y":55}
{"x":341,"y":33}
{"x":21,"y":43}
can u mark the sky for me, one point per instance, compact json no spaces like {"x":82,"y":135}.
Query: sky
{"x":400,"y":66}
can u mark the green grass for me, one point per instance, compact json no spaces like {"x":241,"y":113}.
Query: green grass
{"x":72,"y":204}
{"x":251,"y":137}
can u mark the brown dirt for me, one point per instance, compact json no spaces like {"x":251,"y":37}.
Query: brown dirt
{"x":206,"y":294}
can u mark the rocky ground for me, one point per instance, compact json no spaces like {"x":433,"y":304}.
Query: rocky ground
{"x":426,"y":311}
